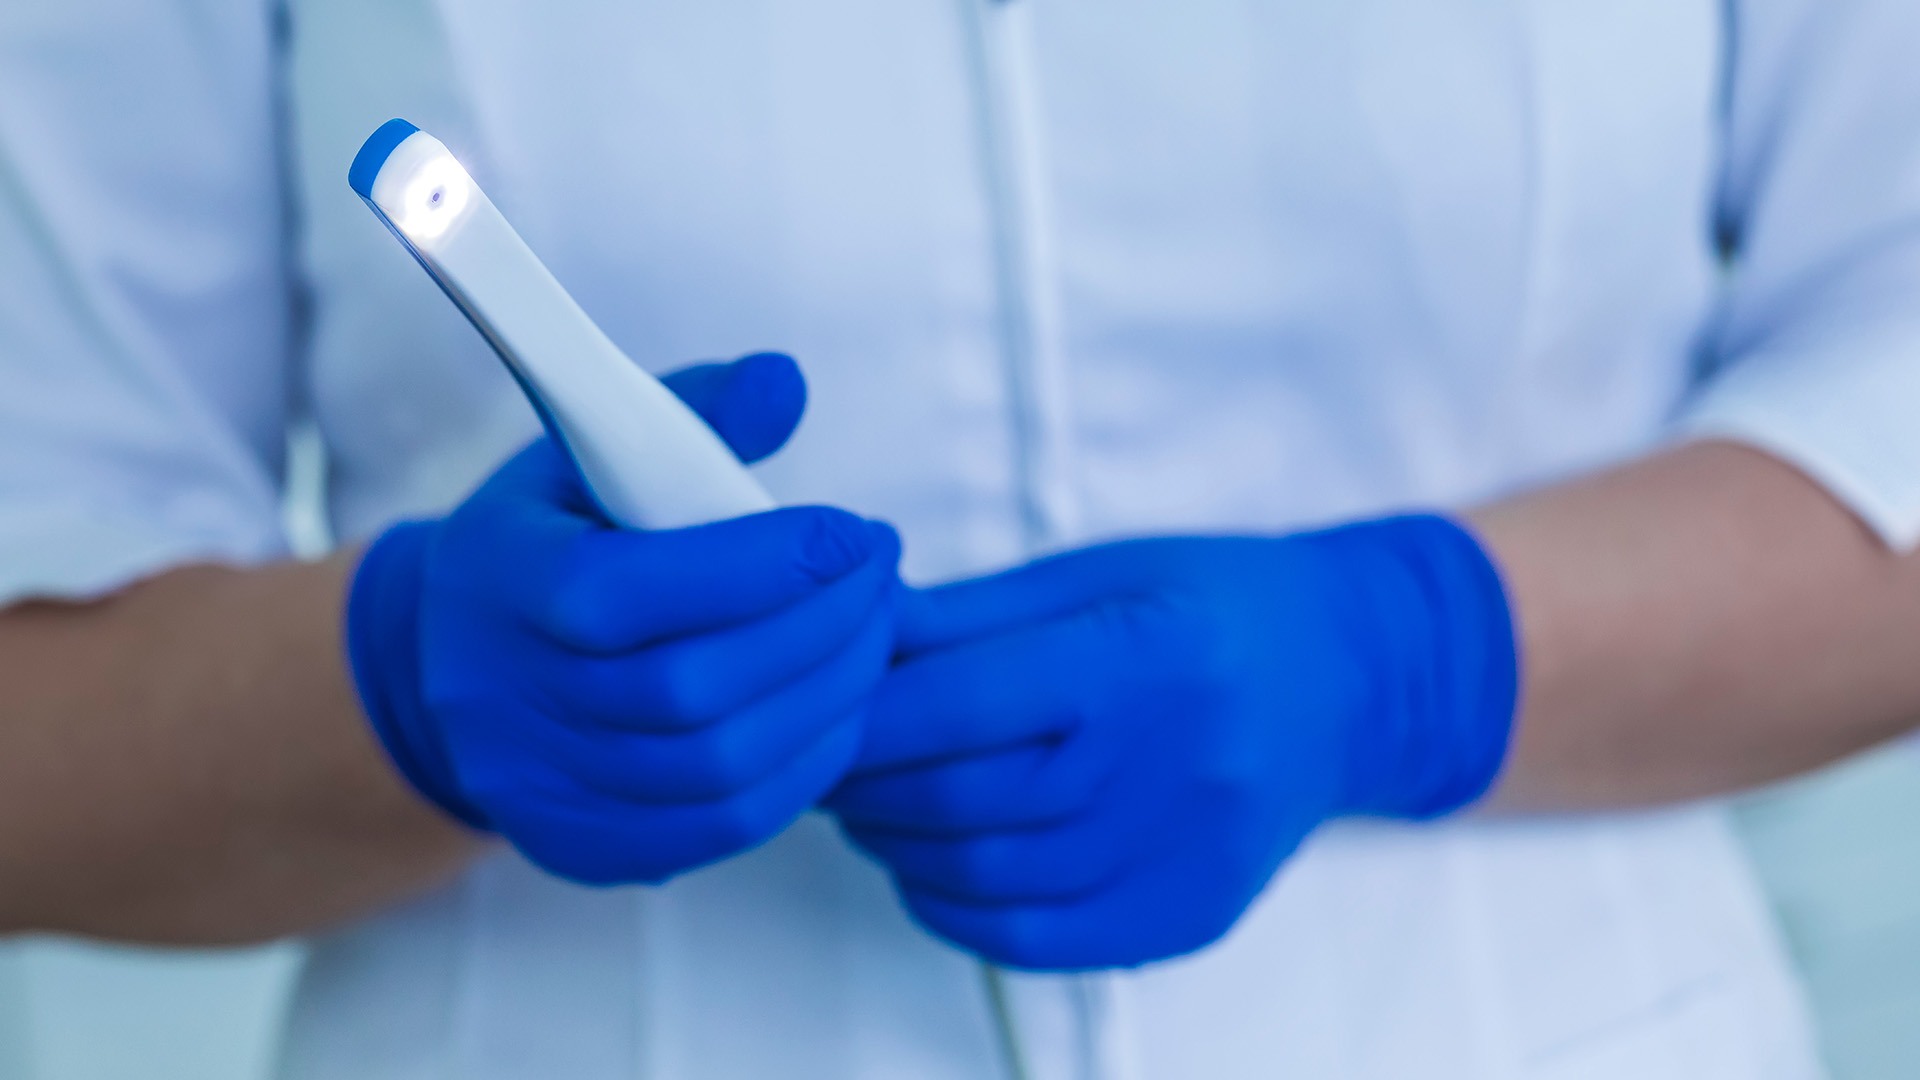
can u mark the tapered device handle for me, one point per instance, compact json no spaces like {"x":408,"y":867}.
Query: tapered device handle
{"x":650,"y":462}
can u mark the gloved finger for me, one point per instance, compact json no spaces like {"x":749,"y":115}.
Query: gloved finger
{"x":1054,"y":863}
{"x":1034,"y":682}
{"x":536,"y":545}
{"x":1132,"y":820}
{"x":753,"y":403}
{"x":594,"y":840}
{"x":538,"y":486}
{"x":727,"y":757}
{"x":615,"y":590}
{"x":1154,"y":911}
{"x":1050,"y":588}
{"x":693,"y":681}
{"x":1025,"y":787}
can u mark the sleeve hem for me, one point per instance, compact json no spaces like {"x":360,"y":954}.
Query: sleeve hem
{"x":1897,"y":526}
{"x":87,"y":556}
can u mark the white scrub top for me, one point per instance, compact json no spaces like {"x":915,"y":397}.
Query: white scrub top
{"x":1057,"y":270}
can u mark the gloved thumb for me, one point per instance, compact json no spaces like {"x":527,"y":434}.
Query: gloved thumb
{"x":754,"y":403}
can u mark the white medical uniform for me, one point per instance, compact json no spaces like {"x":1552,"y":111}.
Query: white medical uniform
{"x":1057,"y":270}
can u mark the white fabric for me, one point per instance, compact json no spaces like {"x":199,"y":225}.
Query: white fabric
{"x":1058,"y":269}
{"x":145,"y":339}
{"x":1820,"y":346}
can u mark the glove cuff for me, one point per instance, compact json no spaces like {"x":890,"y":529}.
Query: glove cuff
{"x":383,"y":651}
{"x":1446,"y":678}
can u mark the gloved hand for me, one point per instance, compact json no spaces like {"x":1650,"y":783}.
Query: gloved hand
{"x":621,"y":705}
{"x":1101,"y":758}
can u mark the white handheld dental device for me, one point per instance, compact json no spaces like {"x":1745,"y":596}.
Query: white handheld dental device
{"x":650,"y":461}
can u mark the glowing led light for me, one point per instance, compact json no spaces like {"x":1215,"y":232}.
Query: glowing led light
{"x":434,"y":197}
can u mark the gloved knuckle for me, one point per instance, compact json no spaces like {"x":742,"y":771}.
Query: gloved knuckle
{"x":1135,"y":626}
{"x":833,"y":544}
{"x":593,"y":692}
{"x":943,"y":798}
{"x":574,"y":609}
{"x":1211,"y":655}
{"x":1016,"y":939}
{"x":1072,"y":791}
{"x":1074,"y":877}
{"x":1203,"y":931}
{"x":564,"y":853}
{"x":737,"y":824}
{"x":1174,"y":641}
{"x":721,"y":764}
{"x":684,"y":690}
{"x":449,"y":690}
{"x":978,"y":868}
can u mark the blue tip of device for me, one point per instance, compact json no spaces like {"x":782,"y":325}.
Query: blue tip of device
{"x":373,"y":154}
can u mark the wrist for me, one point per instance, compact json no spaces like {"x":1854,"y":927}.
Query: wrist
{"x":383,"y":653}
{"x":1430,"y":618}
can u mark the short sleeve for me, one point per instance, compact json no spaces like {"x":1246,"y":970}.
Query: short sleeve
{"x":144,"y":302}
{"x":1817,"y":357}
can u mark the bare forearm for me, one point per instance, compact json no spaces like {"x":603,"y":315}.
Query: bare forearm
{"x":185,"y":762}
{"x":1696,"y":623}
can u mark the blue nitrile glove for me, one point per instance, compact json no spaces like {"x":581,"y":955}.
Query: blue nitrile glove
{"x":1100,"y":759}
{"x":626,"y":705}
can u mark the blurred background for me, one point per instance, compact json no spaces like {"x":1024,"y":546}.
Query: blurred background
{"x":1839,"y":854}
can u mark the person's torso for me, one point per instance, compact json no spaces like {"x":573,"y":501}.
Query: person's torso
{"x":1059,"y":270}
